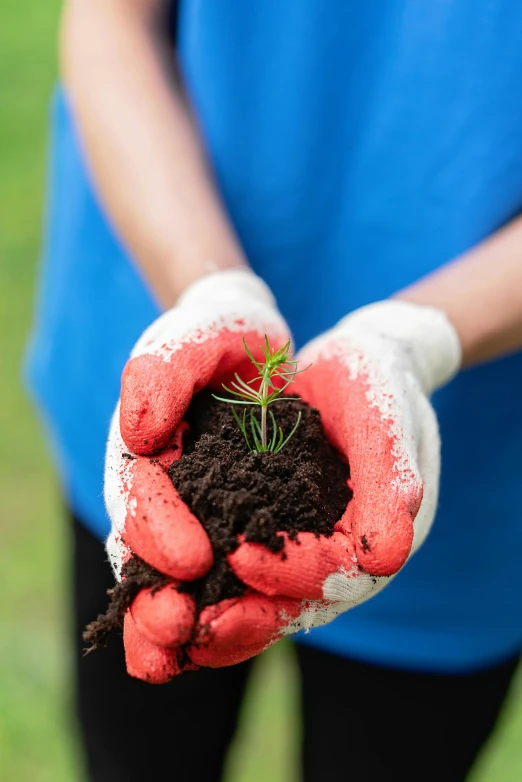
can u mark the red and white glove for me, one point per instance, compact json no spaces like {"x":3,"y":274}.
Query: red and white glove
{"x":195,"y":344}
{"x":370,"y":378}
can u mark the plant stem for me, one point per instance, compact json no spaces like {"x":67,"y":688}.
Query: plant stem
{"x":264,"y":394}
{"x":277,"y":364}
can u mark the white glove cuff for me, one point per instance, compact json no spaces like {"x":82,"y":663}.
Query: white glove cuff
{"x":426,"y":333}
{"x":228,"y":285}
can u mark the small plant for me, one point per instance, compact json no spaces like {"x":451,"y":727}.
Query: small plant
{"x":277,"y":364}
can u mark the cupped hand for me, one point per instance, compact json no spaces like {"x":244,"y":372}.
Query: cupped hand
{"x":371,"y":377}
{"x":196,"y":344}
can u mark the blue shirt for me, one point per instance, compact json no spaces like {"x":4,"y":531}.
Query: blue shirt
{"x":355,"y":151}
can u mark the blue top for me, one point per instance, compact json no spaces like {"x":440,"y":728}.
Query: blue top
{"x":355,"y":152}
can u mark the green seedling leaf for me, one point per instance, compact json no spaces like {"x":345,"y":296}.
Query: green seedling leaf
{"x":282,"y":445}
{"x":277,"y":364}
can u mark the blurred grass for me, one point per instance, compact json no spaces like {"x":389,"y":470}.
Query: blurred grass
{"x":37,"y":740}
{"x":34,"y":743}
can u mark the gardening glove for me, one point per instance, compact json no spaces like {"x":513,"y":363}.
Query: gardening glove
{"x":195,"y":344}
{"x":370,"y":378}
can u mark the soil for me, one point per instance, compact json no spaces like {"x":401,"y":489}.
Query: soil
{"x":233,"y":491}
{"x":136,"y":575}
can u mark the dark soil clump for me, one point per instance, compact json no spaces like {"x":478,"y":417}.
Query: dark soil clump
{"x":136,"y":575}
{"x":233,"y":491}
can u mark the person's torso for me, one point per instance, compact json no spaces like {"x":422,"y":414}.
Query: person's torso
{"x":357,"y":147}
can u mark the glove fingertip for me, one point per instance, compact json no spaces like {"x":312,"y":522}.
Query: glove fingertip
{"x":299,"y":571}
{"x":160,"y":528}
{"x":164,"y":616}
{"x":153,"y":402}
{"x":147,"y":661}
{"x":209,"y":657}
{"x":251,"y":619}
{"x":382,"y":550}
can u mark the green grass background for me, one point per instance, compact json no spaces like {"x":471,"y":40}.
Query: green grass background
{"x":37,"y":738}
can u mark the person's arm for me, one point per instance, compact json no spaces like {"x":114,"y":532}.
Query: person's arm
{"x":141,"y":143}
{"x":481,"y":293}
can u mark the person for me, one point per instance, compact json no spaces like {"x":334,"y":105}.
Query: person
{"x":345,"y":157}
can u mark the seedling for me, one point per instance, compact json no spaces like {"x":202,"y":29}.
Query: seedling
{"x":277,"y":364}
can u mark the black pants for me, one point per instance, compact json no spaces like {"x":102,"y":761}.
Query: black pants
{"x":360,"y":721}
